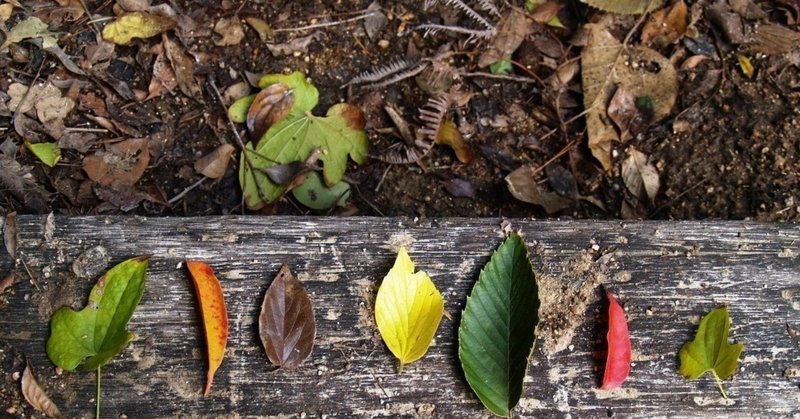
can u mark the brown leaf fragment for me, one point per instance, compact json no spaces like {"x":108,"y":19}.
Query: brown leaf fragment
{"x":270,"y":105}
{"x":772,"y":39}
{"x":134,"y":5}
{"x":235,"y":91}
{"x":449,"y":134}
{"x":545,"y":12}
{"x":213,"y":165}
{"x":730,"y":24}
{"x":7,"y":282}
{"x":36,"y":396}
{"x":121,"y":164}
{"x":261,"y":27}
{"x":18,"y":180}
{"x":164,"y":79}
{"x":640,"y":177}
{"x":295,"y":45}
{"x":231,"y":30}
{"x":282,"y":174}
{"x":183,"y":66}
{"x":459,"y":188}
{"x":631,"y":118}
{"x":666,"y":26}
{"x":522,"y":184}
{"x":512,"y":32}
{"x":125,"y":198}
{"x":10,"y":236}
{"x":376,"y":21}
{"x":286,"y":323}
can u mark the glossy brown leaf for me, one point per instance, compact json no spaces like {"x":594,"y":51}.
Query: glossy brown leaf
{"x":286,"y":323}
{"x":271,"y":105}
{"x":36,"y":396}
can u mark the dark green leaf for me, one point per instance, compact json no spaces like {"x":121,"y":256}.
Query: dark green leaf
{"x":97,"y":333}
{"x":314,"y":194}
{"x":497,"y":327}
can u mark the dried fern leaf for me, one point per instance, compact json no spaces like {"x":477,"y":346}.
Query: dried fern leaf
{"x":433,"y":113}
{"x":433,"y":28}
{"x":411,"y":72}
{"x":470,"y":12}
{"x":379,"y":73}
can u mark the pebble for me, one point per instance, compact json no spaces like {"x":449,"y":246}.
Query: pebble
{"x":383,"y":44}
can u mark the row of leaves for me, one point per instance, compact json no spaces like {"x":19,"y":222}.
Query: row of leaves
{"x":495,"y":338}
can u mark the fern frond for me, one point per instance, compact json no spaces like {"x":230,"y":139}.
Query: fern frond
{"x":432,"y":28}
{"x":400,"y":153}
{"x":470,"y":12}
{"x":379,"y":73}
{"x":490,"y":6}
{"x":411,"y":72}
{"x":433,"y":113}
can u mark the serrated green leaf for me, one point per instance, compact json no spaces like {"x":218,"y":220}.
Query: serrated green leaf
{"x":48,"y":153}
{"x":316,"y":195}
{"x":496,"y":334}
{"x":337,"y":135}
{"x":710,"y":350}
{"x":91,"y":337}
{"x":625,"y":7}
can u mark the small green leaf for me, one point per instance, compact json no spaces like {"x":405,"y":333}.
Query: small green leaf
{"x":625,"y":7}
{"x":91,"y":337}
{"x":315,"y":195}
{"x":48,"y":153}
{"x":496,"y":335}
{"x":710,"y":350}
{"x":238,"y":110}
{"x":337,"y":135}
{"x":500,"y":67}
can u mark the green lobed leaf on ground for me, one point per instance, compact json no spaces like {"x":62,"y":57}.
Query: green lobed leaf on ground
{"x":496,"y":334}
{"x":91,"y":337}
{"x":314,"y":194}
{"x":710,"y":350}
{"x":337,"y":135}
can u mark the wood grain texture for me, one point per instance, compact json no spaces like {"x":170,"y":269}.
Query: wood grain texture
{"x":666,"y":274}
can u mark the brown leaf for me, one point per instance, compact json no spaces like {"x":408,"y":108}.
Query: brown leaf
{"x":213,"y":165}
{"x":545,"y":12}
{"x":646,"y":74}
{"x":522,"y":184}
{"x":231,"y":30}
{"x":260,"y":26}
{"x":36,"y":396}
{"x":665,"y":27}
{"x":449,"y":134}
{"x":512,"y":32}
{"x":164,"y":79}
{"x":295,"y":45}
{"x":7,"y":282}
{"x":376,"y":21}
{"x":640,"y":177}
{"x":235,"y":91}
{"x":631,"y":118}
{"x":625,"y":7}
{"x":183,"y":66}
{"x":772,"y":39}
{"x":270,"y":105}
{"x":122,"y":164}
{"x":459,"y":188}
{"x":286,"y":323}
{"x":10,"y":234}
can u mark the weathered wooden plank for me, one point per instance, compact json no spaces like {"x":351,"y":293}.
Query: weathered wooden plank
{"x":666,"y":274}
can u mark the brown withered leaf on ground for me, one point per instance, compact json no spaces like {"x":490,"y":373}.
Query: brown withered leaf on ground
{"x":625,"y":7}
{"x":235,"y":91}
{"x":270,"y":105}
{"x":214,"y":164}
{"x":263,"y":28}
{"x":295,"y":45}
{"x":449,"y":135}
{"x":121,"y":164}
{"x":36,"y":396}
{"x":124,"y":198}
{"x":522,"y":184}
{"x":231,"y":31}
{"x":666,"y":26}
{"x":183,"y":66}
{"x":164,"y":79}
{"x":10,"y":236}
{"x":376,"y":21}
{"x":773,"y":39}
{"x":459,"y":188}
{"x":18,"y":180}
{"x":640,"y":177}
{"x":134,"y":5}
{"x":631,"y":118}
{"x":7,"y":282}
{"x":646,"y":74}
{"x":72,"y":8}
{"x":516,"y":26}
{"x":286,"y":323}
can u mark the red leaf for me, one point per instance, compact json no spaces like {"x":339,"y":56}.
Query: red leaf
{"x":618,"y":362}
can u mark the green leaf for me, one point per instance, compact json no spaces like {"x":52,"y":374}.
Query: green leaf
{"x":48,"y":153}
{"x":337,"y":135}
{"x":238,"y":110}
{"x":625,"y":7}
{"x":496,"y":334}
{"x":500,"y":67}
{"x":315,"y":195}
{"x":710,"y":350}
{"x":97,"y":333}
{"x":32,"y":27}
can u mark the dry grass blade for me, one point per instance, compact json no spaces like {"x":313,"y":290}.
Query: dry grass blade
{"x":36,"y":396}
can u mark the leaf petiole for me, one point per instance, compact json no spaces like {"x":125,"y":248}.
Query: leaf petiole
{"x":97,"y":399}
{"x":719,"y":384}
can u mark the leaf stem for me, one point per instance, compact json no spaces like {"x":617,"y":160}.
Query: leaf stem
{"x":719,"y":384}
{"x":97,"y":398}
{"x":400,"y":368}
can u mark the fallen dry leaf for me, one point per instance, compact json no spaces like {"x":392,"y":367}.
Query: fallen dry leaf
{"x":261,"y":27}
{"x":183,"y":66}
{"x":449,"y":134}
{"x":31,"y":27}
{"x":625,"y":7}
{"x":235,"y":91}
{"x":164,"y":79}
{"x":666,"y":26}
{"x":213,"y":313}
{"x":640,"y":177}
{"x":512,"y":32}
{"x":134,"y":5}
{"x":72,"y":9}
{"x":522,"y":184}
{"x":631,"y":118}
{"x":295,"y":45}
{"x":646,"y":74}
{"x":376,"y":21}
{"x":136,"y":25}
{"x":270,"y":105}
{"x":121,"y":164}
{"x":5,"y":11}
{"x":10,"y":236}
{"x":213,"y":165}
{"x":7,"y":282}
{"x":231,"y":31}
{"x":746,"y":65}
{"x":772,"y":39}
{"x":36,"y":396}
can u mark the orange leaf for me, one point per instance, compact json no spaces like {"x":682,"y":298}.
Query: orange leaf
{"x":213,"y":314}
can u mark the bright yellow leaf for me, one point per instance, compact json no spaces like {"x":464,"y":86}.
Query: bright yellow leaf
{"x":746,"y":65}
{"x":408,"y":310}
{"x":136,"y":25}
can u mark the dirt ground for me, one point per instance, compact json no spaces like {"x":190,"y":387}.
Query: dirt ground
{"x":728,"y":149}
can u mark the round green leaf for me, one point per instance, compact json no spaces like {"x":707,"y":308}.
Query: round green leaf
{"x":315,"y":195}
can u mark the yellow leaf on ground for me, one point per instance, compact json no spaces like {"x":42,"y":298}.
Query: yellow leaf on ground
{"x":746,"y":65}
{"x":408,"y":310}
{"x":136,"y":25}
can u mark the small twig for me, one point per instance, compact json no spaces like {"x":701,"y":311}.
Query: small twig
{"x":33,"y":281}
{"x":380,"y":182}
{"x":183,"y":193}
{"x":371,"y":205}
{"x":326,"y":24}
{"x":558,"y":155}
{"x":79,"y":129}
{"x":91,"y":22}
{"x":501,"y":77}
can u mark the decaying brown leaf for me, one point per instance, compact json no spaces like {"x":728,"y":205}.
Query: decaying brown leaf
{"x":295,"y":45}
{"x":640,"y":177}
{"x":630,"y":118}
{"x":625,"y":7}
{"x":18,"y":180}
{"x":772,"y":39}
{"x":231,"y":30}
{"x":522,"y":184}
{"x":121,"y":164}
{"x":666,"y":26}
{"x":183,"y":66}
{"x":449,"y":134}
{"x":512,"y":32}
{"x":164,"y":79}
{"x":7,"y":282}
{"x":286,"y":323}
{"x":213,"y":165}
{"x":261,"y":27}
{"x":375,"y":21}
{"x":10,"y":234}
{"x":270,"y":105}
{"x":36,"y":396}
{"x":646,"y":74}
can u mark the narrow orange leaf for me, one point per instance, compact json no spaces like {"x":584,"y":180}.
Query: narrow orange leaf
{"x":213,"y":314}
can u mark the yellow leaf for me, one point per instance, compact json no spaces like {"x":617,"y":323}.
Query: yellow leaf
{"x":136,"y":25}
{"x":408,"y":310}
{"x":746,"y":65}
